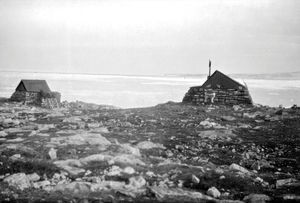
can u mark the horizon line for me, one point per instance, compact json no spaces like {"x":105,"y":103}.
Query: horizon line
{"x":155,"y":75}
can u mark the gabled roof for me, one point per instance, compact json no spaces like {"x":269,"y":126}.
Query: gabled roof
{"x":219,"y":80}
{"x":33,"y":86}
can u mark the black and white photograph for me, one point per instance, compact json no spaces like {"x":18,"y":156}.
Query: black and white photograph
{"x":150,"y":101}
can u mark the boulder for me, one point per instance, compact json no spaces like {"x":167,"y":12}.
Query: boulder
{"x":18,"y":180}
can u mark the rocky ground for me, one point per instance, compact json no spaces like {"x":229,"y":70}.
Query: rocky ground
{"x":168,"y":153}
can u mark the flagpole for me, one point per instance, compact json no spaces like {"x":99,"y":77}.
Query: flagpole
{"x":209,"y":65}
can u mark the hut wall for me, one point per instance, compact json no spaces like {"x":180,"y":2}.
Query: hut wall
{"x":50,"y":103}
{"x":36,"y":99}
{"x":198,"y":95}
{"x":27,"y":97}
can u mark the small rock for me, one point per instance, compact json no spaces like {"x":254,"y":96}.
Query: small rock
{"x":228,"y":118}
{"x":114,"y":171}
{"x":256,"y":198}
{"x":137,"y":182}
{"x":213,"y":192}
{"x":15,"y":157}
{"x":292,"y":197}
{"x":150,"y":173}
{"x":222,"y":177}
{"x":236,"y":167}
{"x":195,"y":179}
{"x":18,"y":180}
{"x":34,"y":132}
{"x":16,"y":140}
{"x":258,"y":180}
{"x":52,"y":154}
{"x":129,"y":170}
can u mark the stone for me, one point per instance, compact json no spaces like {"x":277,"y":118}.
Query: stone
{"x":18,"y":180}
{"x":32,"y":133}
{"x":72,"y":166}
{"x":15,"y":157}
{"x":75,"y":188}
{"x":165,"y":194}
{"x":3,"y":134}
{"x":114,"y":171}
{"x":228,"y":118}
{"x":45,"y":127}
{"x":149,"y":145}
{"x":213,"y":192}
{"x":33,"y":177}
{"x":209,"y":124}
{"x":291,"y":197}
{"x":128,"y":149}
{"x":195,"y":179}
{"x":150,"y":173}
{"x":285,"y":182}
{"x":18,"y":139}
{"x":73,"y":119}
{"x":95,"y":158}
{"x":136,"y":182}
{"x":126,"y":159}
{"x":237,"y":107}
{"x":236,"y":167}
{"x":93,"y":125}
{"x":256,"y":198}
{"x":81,"y":139}
{"x":129,"y":170}
{"x":52,"y":154}
{"x":258,"y":180}
{"x":100,"y":130}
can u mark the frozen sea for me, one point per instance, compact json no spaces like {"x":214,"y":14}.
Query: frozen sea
{"x":143,"y":91}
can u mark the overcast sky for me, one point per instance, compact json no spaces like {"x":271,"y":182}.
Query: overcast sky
{"x":148,"y":37}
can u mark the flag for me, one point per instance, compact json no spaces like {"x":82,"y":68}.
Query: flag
{"x":209,"y":64}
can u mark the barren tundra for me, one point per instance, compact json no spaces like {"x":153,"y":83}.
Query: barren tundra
{"x":168,"y":153}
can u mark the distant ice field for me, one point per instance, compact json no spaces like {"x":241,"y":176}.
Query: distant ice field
{"x":143,"y":91}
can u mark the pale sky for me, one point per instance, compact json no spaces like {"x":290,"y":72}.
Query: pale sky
{"x":149,"y":37}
